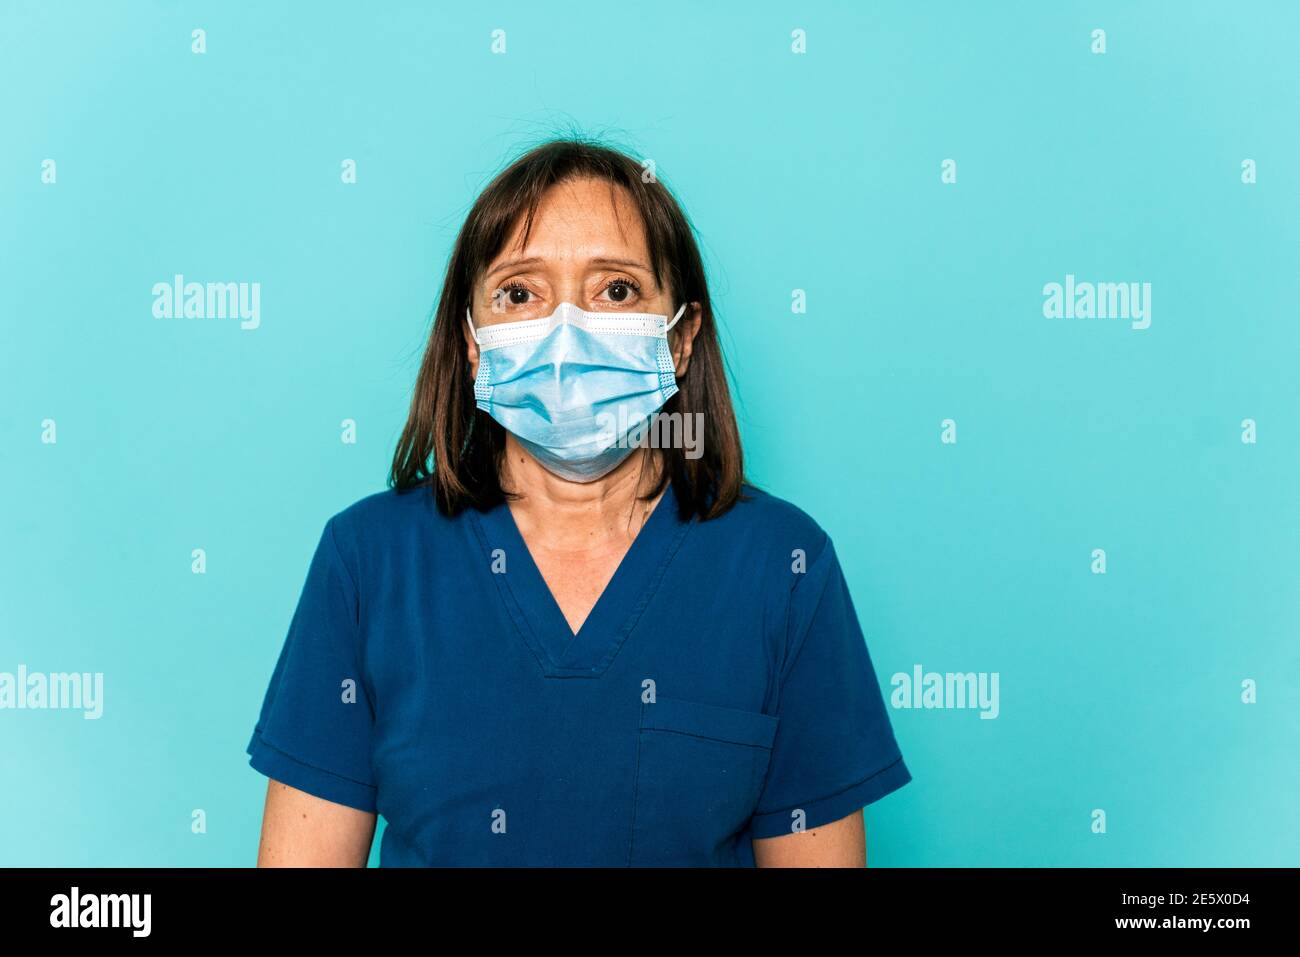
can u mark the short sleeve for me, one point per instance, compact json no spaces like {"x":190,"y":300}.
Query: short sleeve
{"x":834,"y":751}
{"x":316,"y":723}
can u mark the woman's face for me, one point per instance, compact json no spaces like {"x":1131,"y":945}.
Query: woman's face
{"x":581,"y":250}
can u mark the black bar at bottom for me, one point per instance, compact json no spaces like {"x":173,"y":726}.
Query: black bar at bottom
{"x":563,"y":906}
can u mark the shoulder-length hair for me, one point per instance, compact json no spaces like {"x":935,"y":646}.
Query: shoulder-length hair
{"x":457,"y":449}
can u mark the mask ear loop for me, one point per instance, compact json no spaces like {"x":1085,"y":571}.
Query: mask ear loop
{"x":675,"y":318}
{"x":473,"y":418}
{"x":472,"y":331}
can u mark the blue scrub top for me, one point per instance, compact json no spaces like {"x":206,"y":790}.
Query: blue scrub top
{"x":719,"y":691}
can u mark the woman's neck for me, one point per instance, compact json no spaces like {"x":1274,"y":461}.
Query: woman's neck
{"x":579,"y":515}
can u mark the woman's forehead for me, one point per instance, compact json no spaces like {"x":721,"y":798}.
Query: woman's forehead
{"x":579,"y":221}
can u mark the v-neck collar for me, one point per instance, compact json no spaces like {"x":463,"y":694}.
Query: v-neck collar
{"x":537,"y":615}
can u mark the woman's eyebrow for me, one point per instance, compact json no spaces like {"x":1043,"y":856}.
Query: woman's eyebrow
{"x":534,"y":260}
{"x":512,"y":264}
{"x":632,"y":263}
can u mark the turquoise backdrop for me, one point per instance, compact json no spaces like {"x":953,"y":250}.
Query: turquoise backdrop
{"x":1164,"y":693}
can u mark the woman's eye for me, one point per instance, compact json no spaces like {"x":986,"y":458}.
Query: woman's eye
{"x":620,"y":290}
{"x":512,"y":295}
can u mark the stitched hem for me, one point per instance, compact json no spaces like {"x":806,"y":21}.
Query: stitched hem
{"x":832,"y":807}
{"x":287,"y":769}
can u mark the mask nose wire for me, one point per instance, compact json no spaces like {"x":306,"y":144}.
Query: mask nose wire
{"x":474,"y":332}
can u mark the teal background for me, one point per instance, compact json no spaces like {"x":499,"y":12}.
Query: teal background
{"x":818,"y":172}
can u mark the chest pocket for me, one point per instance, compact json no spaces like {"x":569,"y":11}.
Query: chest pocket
{"x":700,"y":768}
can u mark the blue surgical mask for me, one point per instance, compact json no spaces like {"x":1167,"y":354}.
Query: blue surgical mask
{"x":571,"y":386}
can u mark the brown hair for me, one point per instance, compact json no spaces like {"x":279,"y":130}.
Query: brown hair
{"x":456,"y":448}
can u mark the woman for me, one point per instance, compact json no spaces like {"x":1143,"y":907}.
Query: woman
{"x":561,"y":637}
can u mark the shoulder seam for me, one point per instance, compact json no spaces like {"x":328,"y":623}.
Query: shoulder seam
{"x":338,"y":553}
{"x":792,"y":655}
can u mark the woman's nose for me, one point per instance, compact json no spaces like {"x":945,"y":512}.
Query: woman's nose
{"x":570,"y":290}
